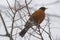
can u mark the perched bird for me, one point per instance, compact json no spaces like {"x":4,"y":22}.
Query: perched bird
{"x":36,"y":18}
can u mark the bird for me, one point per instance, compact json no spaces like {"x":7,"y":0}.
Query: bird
{"x":36,"y":18}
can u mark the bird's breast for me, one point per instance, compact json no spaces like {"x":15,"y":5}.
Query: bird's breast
{"x":38,"y":17}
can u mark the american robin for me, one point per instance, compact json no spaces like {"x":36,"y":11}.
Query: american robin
{"x":36,"y":18}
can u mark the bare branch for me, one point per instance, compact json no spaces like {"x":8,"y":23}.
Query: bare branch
{"x":23,"y":6}
{"x":27,"y":7}
{"x":4,"y":25}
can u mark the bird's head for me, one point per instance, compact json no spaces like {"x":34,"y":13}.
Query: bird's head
{"x":43,"y":8}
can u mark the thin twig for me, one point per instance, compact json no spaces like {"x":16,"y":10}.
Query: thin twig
{"x":40,"y":32}
{"x":7,"y":34}
{"x":27,"y":7}
{"x":9,"y":6}
{"x":49,"y":28}
{"x":24,"y":6}
{"x":11,"y":38}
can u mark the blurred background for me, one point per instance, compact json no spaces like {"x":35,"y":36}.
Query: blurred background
{"x":15,"y":13}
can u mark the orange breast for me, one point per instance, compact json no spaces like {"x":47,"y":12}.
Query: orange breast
{"x":38,"y":16}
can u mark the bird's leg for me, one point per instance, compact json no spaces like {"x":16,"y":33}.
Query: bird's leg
{"x":40,"y":32}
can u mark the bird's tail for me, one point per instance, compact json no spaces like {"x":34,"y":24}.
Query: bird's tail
{"x":27,"y":26}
